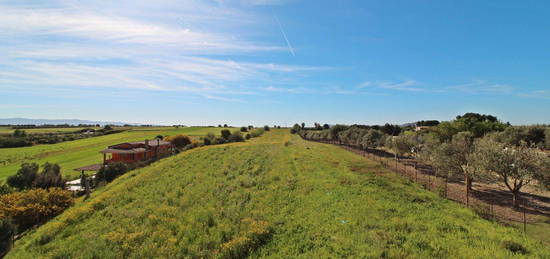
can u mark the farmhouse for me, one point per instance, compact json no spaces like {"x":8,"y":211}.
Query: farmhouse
{"x":131,"y":152}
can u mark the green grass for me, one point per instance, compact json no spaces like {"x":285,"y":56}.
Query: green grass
{"x":73,"y":154}
{"x":275,"y":196}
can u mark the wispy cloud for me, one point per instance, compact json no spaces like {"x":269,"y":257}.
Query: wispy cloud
{"x":164,"y":46}
{"x":481,"y":86}
{"x":407,"y":85}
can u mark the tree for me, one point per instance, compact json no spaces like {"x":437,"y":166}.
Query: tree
{"x":225,"y":126}
{"x":401,"y":145}
{"x":326,"y":126}
{"x":49,"y":177}
{"x":336,"y":129}
{"x":111,"y":171}
{"x":225,"y":134}
{"x":244,"y":129}
{"x":7,"y":232}
{"x":35,"y":206}
{"x":179,"y":141}
{"x":457,"y":159}
{"x":24,"y":177}
{"x":515,"y":167}
{"x":547,"y":138}
{"x":266,"y":128}
{"x":295,"y":129}
{"x":372,"y":139}
{"x":219,"y":125}
{"x":107,"y":127}
{"x":303,"y":125}
{"x":19,"y":133}
{"x":250,"y":127}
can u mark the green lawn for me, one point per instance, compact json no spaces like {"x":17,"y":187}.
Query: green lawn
{"x":73,"y":154}
{"x":276,"y":196}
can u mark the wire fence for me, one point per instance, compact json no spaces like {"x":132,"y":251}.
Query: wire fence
{"x":490,"y":208}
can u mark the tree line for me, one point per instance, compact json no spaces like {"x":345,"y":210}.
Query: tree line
{"x":472,"y":147}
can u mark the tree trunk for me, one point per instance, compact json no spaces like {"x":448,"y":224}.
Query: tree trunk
{"x":470,"y":181}
{"x":515,"y":198}
{"x":466,"y":184}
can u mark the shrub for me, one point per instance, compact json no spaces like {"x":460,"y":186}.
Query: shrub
{"x":225,"y":134}
{"x":244,"y":129}
{"x":266,"y":128}
{"x":49,"y":177}
{"x":179,"y":141}
{"x":5,"y":189}
{"x":257,"y":132}
{"x":209,"y":139}
{"x":7,"y":232}
{"x":24,"y":177}
{"x":36,"y":206}
{"x":247,"y":136}
{"x":236,"y":137}
{"x":110,"y":172}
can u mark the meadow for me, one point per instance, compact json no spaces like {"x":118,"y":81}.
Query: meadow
{"x":275,"y":196}
{"x":73,"y":154}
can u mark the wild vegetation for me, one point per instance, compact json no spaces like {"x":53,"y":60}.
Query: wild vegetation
{"x":274,"y":196}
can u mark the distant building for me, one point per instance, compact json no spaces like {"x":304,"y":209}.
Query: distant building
{"x":419,"y":128}
{"x":131,"y":152}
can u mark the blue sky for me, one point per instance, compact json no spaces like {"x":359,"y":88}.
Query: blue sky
{"x":273,"y":61}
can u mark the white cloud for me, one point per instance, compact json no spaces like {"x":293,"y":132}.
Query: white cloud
{"x":154,"y":45}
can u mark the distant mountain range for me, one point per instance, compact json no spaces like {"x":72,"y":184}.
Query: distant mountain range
{"x":26,"y":121}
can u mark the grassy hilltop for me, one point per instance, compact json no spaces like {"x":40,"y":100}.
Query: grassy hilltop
{"x":73,"y":154}
{"x":273,"y":196}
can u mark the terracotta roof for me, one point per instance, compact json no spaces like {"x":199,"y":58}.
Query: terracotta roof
{"x":123,"y":151}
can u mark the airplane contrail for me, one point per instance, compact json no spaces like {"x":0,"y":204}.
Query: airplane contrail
{"x":284,"y":35}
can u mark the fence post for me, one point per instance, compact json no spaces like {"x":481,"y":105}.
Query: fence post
{"x":524,"y":221}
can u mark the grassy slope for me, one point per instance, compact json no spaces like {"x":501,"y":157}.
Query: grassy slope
{"x":83,"y":152}
{"x":317,"y":200}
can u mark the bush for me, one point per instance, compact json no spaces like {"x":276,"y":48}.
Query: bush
{"x":179,"y":141}
{"x":5,"y":189}
{"x":247,"y":136}
{"x":49,"y":177}
{"x":257,"y":132}
{"x":7,"y":232}
{"x":266,"y":128}
{"x":110,"y":172}
{"x":209,"y":139}
{"x":24,"y":177}
{"x":225,"y":134}
{"x":14,"y":142}
{"x":236,"y":137}
{"x":244,"y":129}
{"x":36,"y":206}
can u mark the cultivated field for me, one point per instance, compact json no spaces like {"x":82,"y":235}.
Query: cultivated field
{"x":78,"y":153}
{"x":273,"y":196}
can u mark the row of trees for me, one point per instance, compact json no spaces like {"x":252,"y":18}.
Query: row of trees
{"x":472,"y":147}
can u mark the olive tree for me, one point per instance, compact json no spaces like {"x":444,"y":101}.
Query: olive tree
{"x":515,"y":166}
